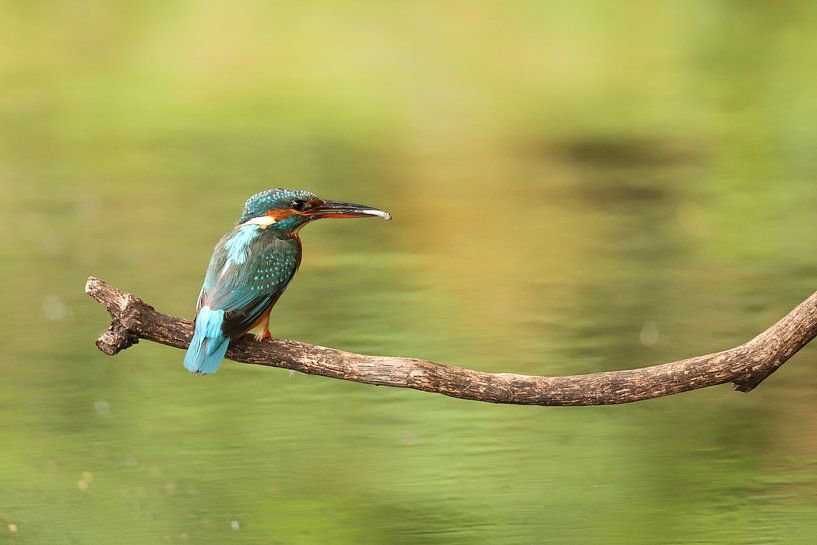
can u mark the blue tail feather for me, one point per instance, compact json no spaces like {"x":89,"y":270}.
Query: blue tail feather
{"x":209,"y":344}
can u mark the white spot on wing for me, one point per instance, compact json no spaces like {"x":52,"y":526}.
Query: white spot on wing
{"x":225,"y":269}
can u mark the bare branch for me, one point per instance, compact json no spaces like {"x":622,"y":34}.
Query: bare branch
{"x":746,"y":365}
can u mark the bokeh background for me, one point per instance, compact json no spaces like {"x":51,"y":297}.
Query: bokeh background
{"x":576,"y":187}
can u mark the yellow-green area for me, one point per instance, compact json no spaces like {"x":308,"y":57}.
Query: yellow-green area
{"x":575,"y":186}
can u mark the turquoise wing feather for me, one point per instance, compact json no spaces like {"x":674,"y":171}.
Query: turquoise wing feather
{"x":248,"y":272}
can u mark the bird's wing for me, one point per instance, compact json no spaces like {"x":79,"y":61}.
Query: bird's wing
{"x":246,"y":283}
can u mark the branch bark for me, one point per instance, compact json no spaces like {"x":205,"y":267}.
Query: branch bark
{"x":745,"y":366}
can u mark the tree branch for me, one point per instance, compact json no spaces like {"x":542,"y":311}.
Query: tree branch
{"x":745,"y":366}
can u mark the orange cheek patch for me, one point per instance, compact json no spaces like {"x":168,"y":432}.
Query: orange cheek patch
{"x":278,"y":215}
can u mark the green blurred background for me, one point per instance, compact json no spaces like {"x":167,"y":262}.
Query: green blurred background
{"x":576,"y":187}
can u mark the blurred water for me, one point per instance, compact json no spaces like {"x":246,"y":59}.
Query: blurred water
{"x":575,"y":188}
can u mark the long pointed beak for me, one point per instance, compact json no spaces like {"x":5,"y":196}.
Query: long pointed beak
{"x":336,"y":209}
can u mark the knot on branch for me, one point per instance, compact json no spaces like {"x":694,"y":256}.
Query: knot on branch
{"x":116,"y":338}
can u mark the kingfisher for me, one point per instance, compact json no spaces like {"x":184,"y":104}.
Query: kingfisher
{"x":251,"y":267}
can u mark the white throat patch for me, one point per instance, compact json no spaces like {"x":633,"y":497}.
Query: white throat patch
{"x":261,"y":221}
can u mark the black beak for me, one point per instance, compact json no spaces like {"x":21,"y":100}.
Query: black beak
{"x":335,"y":209}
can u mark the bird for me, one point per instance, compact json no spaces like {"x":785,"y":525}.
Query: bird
{"x":251,"y":267}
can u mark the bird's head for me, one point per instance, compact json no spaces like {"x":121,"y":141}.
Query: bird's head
{"x":287,"y":210}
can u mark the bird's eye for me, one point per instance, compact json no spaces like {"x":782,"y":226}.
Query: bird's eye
{"x":298,"y":204}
